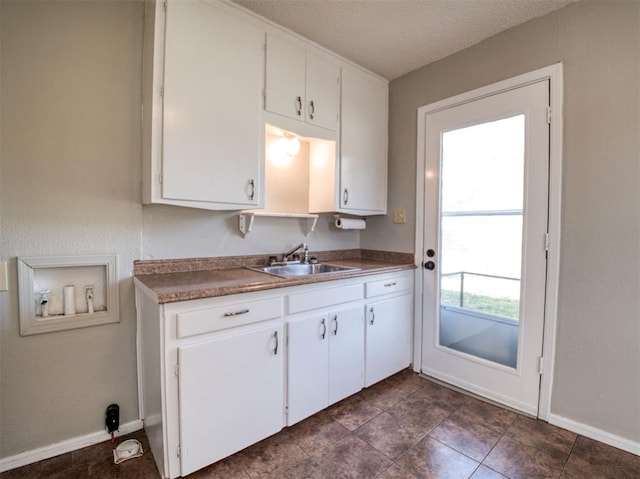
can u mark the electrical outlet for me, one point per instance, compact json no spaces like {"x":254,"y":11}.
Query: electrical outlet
{"x":112,"y":418}
{"x":399,"y":217}
{"x":4,"y":279}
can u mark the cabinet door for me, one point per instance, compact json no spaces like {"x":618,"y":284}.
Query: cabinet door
{"x":363,"y":150}
{"x":285,"y":83}
{"x":388,"y":338}
{"x":346,"y":353}
{"x":307,"y":367}
{"x":213,"y":135}
{"x":323,"y":92}
{"x":230,"y":393}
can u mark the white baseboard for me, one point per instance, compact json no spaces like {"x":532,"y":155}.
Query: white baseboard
{"x":73,"y":444}
{"x":594,"y":433}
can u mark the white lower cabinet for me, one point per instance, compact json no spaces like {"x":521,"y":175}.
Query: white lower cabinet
{"x":325,"y":362}
{"x":346,"y":353}
{"x":230,"y":393}
{"x":389,"y":328}
{"x":213,"y":377}
{"x":307,"y":367}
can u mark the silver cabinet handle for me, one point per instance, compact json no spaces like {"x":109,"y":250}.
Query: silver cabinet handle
{"x":299,"y":105}
{"x":275,"y":350}
{"x":252,"y":193}
{"x":236,"y":313}
{"x":389,"y":284}
{"x":324,"y":329}
{"x":335,"y":331}
{"x":345,"y":196}
{"x":312,"y":109}
{"x":372,"y":316}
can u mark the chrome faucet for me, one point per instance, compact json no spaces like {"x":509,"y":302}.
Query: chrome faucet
{"x":305,"y":252}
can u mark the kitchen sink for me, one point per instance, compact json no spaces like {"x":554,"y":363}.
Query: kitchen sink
{"x":303,"y":269}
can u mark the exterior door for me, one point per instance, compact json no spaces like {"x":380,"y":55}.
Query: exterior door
{"x":485,"y":237}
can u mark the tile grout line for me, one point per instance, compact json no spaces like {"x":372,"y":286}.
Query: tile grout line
{"x":573,"y":446}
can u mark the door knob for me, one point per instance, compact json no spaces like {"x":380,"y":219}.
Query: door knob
{"x":429,"y":265}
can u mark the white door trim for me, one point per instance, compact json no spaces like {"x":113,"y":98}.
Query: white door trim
{"x":554,"y":74}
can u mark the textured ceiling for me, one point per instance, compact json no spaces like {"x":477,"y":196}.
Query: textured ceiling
{"x":394,"y":37}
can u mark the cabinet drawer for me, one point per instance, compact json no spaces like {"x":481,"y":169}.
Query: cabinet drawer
{"x":231,"y":315}
{"x":324,"y":298}
{"x":388,"y":286}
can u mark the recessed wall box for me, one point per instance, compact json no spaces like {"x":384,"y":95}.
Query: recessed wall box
{"x":50,"y":274}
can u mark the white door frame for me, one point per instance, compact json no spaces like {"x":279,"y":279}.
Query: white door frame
{"x":554,"y":74}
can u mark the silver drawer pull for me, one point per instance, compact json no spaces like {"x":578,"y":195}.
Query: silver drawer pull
{"x":389,"y":284}
{"x":236,"y":313}
{"x":275,"y":350}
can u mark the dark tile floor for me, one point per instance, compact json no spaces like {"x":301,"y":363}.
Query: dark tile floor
{"x":403,"y":428}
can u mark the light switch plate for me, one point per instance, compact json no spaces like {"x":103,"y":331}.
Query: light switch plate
{"x":399,"y":217}
{"x":4,"y":280}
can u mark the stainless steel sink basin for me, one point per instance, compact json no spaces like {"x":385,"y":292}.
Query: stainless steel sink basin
{"x":303,"y":269}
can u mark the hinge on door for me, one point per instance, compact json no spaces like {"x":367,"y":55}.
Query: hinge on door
{"x":540,"y":364}
{"x":178,"y":451}
{"x":164,"y":6}
{"x":162,"y":91}
{"x":161,"y":178}
{"x":549,"y":115}
{"x":176,"y":370}
{"x":546,"y":242}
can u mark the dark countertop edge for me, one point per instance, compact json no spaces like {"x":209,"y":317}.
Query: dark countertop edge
{"x":179,"y":265}
{"x":279,"y":282}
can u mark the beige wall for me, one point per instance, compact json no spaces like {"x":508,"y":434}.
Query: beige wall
{"x":70,"y":184}
{"x":597,"y":373}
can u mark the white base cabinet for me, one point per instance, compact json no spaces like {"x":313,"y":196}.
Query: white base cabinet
{"x":389,"y":327}
{"x":346,"y":353}
{"x":230,"y":393}
{"x":219,"y":374}
{"x":211,"y":376}
{"x":307,"y":367}
{"x":325,"y":362}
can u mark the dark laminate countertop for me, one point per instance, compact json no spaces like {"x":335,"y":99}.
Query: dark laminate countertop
{"x":175,"y":285}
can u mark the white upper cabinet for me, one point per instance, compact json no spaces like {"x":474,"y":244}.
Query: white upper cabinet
{"x":323,"y":92}
{"x":207,"y":137}
{"x":215,"y":74}
{"x":301,"y":85}
{"x":363,"y":144}
{"x":357,"y":183}
{"x":286,"y":78}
